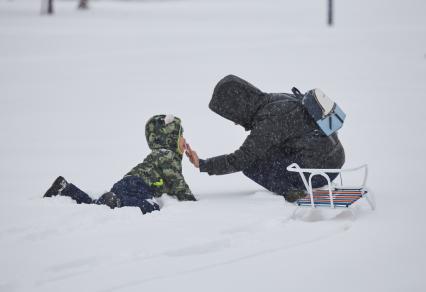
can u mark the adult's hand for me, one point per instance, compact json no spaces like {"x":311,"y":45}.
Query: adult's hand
{"x":193,"y":156}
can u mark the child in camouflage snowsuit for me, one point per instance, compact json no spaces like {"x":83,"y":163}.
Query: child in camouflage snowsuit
{"x":159,"y":173}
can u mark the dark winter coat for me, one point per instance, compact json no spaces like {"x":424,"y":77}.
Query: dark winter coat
{"x":278,"y":123}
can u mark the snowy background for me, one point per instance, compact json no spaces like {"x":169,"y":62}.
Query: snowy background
{"x":76,"y":89}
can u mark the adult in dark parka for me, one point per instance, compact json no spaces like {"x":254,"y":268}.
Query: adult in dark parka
{"x":281,"y":132}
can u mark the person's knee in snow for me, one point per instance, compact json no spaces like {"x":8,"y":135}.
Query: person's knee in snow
{"x":110,"y":199}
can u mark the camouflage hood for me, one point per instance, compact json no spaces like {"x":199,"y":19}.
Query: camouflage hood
{"x":163,"y":132}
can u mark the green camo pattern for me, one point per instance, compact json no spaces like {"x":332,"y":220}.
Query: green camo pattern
{"x":162,"y":168}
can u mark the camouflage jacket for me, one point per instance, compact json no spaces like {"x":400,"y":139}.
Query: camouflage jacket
{"x":162,"y":168}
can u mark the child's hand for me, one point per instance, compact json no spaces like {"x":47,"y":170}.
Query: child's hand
{"x":192,"y":156}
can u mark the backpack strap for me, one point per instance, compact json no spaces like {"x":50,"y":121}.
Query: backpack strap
{"x":297,"y":93}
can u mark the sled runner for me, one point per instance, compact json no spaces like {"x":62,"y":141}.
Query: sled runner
{"x":332,"y":195}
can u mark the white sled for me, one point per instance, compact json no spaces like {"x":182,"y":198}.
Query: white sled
{"x":334,"y":195}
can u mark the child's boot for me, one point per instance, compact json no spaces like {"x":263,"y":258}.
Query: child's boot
{"x":57,"y":187}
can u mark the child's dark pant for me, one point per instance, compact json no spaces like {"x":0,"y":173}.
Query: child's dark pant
{"x":130,"y":191}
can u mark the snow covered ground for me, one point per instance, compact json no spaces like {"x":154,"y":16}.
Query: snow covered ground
{"x":76,"y":89}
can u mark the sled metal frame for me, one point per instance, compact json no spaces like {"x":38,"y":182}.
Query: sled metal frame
{"x":333,"y":190}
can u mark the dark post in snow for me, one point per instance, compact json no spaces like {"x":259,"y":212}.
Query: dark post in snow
{"x":46,"y":6}
{"x":330,"y":12}
{"x":50,"y":7}
{"x":83,"y":4}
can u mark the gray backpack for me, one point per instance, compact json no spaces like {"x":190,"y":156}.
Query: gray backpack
{"x":325,"y":112}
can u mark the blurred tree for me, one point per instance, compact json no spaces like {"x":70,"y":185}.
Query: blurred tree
{"x":330,"y":12}
{"x":83,"y":4}
{"x":46,"y":6}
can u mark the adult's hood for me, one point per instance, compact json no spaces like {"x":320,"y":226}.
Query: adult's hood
{"x":163,"y":132}
{"x":237,"y":100}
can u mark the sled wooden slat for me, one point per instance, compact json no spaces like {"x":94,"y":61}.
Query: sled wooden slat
{"x":341,"y":198}
{"x":331,"y":196}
